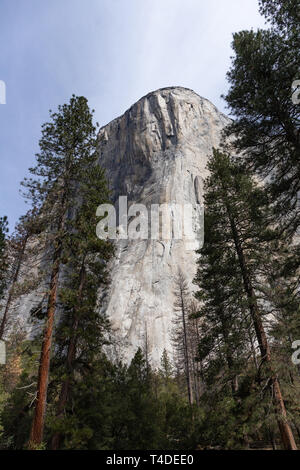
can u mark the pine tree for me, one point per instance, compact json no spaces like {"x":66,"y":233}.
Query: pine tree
{"x":237,"y":248}
{"x":166,"y":368}
{"x":135,"y":410}
{"x":67,"y":148}
{"x":222,"y":346}
{"x":266,"y":124}
{"x":83,"y":330}
{"x":266,"y":129}
{"x":193,"y":331}
{"x":180,"y":336}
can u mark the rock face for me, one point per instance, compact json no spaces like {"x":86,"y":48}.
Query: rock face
{"x":155,"y":153}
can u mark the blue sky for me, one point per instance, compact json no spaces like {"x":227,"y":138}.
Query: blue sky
{"x":111,"y":51}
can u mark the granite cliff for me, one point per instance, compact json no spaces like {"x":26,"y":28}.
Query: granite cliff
{"x":155,"y":153}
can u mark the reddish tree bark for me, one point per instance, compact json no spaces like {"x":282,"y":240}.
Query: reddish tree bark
{"x":37,"y":429}
{"x":63,"y":397}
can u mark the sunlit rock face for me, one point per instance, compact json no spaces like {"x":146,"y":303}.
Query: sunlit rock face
{"x":156,"y":153}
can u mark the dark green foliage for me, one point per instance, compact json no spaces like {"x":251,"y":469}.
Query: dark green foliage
{"x":283,"y":15}
{"x":137,"y":419}
{"x":17,"y":380}
{"x":111,"y":406}
{"x":67,"y":147}
{"x":264,"y":66}
{"x":67,"y":188}
{"x":65,"y":170}
{"x":266,"y":127}
{"x":147,"y":412}
{"x":236,"y":376}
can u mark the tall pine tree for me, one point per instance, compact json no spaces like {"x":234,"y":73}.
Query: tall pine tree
{"x":266,"y":126}
{"x":67,"y":149}
{"x":237,"y":248}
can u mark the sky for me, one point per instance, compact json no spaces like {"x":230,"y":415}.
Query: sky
{"x":111,"y":51}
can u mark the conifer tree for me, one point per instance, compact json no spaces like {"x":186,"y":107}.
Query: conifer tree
{"x":166,"y":368}
{"x":180,"y":334}
{"x":266,"y":125}
{"x":67,"y":148}
{"x":83,"y":330}
{"x":237,"y":248}
{"x":193,"y":328}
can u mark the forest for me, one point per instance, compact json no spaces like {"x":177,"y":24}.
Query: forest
{"x":233,"y":382}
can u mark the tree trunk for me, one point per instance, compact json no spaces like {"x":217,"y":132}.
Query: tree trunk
{"x":229,"y":358}
{"x":63,"y":398}
{"x":195,"y":363}
{"x":186,"y":353}
{"x":253,"y":350}
{"x":199,"y":366}
{"x":284,"y":427}
{"x":37,"y":429}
